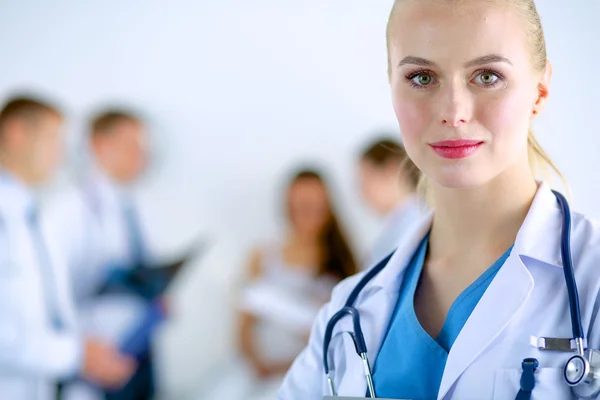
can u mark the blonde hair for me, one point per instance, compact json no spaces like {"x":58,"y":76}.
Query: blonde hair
{"x":539,"y":161}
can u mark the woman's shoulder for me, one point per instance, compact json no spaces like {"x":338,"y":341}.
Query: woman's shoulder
{"x":541,"y":236}
{"x":261,"y":255}
{"x":583,"y":222}
{"x":341,"y":291}
{"x":585,"y":240}
{"x":255,"y":257}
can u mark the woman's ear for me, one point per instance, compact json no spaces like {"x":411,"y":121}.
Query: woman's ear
{"x":543,"y":89}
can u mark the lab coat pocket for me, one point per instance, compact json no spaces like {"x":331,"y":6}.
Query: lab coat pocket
{"x":549,"y":384}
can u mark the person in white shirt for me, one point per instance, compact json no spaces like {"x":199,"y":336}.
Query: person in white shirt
{"x":388,"y":180}
{"x":39,"y":340}
{"x":104,"y":235}
{"x":287,"y":282}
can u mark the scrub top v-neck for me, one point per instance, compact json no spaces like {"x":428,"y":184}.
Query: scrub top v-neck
{"x":411,"y":363}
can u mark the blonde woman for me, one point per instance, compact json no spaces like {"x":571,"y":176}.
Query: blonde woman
{"x":460,"y":309}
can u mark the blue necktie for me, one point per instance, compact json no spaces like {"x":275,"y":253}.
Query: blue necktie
{"x":45,"y":266}
{"x":134,"y":234}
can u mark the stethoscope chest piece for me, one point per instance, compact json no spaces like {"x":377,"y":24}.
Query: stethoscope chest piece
{"x":580,"y":373}
{"x":576,"y":370}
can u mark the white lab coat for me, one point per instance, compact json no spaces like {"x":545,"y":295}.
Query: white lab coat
{"x":396,"y":224}
{"x":33,"y":354}
{"x":528,"y":297}
{"x":89,"y":230}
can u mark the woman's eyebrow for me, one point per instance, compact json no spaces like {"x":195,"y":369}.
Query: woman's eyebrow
{"x":487,"y":59}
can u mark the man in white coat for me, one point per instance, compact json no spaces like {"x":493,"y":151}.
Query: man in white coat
{"x":105,"y":235}
{"x":39,"y":340}
{"x":388,"y":180}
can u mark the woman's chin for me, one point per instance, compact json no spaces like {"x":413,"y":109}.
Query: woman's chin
{"x":460,"y":179}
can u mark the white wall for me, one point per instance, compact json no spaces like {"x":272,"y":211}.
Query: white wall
{"x":237,"y":91}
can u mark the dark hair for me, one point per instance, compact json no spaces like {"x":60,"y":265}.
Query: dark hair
{"x":338,"y":259}
{"x":104,"y":122}
{"x":26,"y":108}
{"x":383,"y":151}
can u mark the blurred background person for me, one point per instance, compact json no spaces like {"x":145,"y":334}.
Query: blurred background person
{"x":104,"y":236}
{"x":288,"y":281}
{"x":39,"y":340}
{"x":388,"y":180}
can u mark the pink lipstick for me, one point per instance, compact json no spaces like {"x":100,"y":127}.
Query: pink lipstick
{"x":458,"y":148}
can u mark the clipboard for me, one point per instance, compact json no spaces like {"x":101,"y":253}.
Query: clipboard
{"x":149,"y":281}
{"x":274,"y":304}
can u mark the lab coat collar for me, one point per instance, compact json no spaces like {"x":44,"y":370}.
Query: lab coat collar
{"x":533,"y":239}
{"x":15,"y":193}
{"x":391,"y":276}
{"x":102,"y":191}
{"x":108,"y":185}
{"x":540,"y":235}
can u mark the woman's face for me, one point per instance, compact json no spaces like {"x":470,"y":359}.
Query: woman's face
{"x":463,"y":89}
{"x":308,"y":206}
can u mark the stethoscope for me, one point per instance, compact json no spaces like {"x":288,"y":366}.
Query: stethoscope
{"x":582,"y":371}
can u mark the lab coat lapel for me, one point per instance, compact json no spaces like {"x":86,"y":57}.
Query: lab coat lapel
{"x":375,"y":305}
{"x":508,"y":292}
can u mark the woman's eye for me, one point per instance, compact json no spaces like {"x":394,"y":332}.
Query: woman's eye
{"x":486,"y":78}
{"x":422,"y":79}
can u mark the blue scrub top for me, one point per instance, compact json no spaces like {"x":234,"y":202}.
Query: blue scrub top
{"x":411,"y":363}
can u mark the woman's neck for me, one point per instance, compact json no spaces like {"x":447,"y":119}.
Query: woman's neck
{"x":481,"y":219}
{"x":301,"y":240}
{"x":303,"y":250}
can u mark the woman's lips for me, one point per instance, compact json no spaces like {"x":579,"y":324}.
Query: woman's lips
{"x":457,"y":148}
